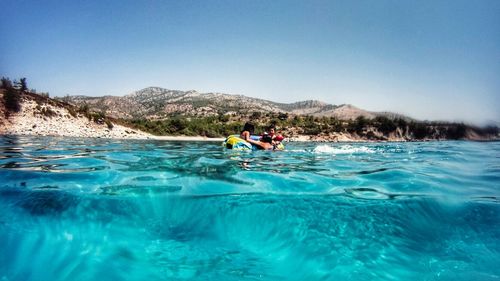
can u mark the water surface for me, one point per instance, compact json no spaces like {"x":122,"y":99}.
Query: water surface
{"x":92,"y":209}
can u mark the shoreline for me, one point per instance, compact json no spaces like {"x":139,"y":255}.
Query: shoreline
{"x":221,"y":139}
{"x":32,"y":121}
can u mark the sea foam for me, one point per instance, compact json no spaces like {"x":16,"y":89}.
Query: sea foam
{"x":344,"y":149}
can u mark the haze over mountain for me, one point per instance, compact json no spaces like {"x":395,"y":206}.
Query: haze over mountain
{"x":159,"y":103}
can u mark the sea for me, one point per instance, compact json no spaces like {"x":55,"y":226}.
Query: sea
{"x":101,"y":209}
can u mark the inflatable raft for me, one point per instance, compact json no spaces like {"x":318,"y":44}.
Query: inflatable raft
{"x":236,"y":143}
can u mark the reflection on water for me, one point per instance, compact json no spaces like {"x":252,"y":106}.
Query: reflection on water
{"x":80,"y":209}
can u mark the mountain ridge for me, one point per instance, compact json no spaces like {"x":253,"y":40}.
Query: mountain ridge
{"x":159,"y":103}
{"x":30,"y":113}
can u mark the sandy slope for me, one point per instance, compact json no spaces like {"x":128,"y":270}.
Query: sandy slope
{"x":30,"y":122}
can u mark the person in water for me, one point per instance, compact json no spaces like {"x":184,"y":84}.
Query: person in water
{"x":248,"y":129}
{"x":271,"y":130}
{"x":277,"y":138}
{"x":265,"y":143}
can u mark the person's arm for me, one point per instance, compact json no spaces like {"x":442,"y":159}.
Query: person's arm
{"x":245,"y":135}
{"x":255,"y":142}
{"x":264,"y":145}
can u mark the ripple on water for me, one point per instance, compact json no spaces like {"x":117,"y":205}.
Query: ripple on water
{"x":131,"y":190}
{"x":76,"y":209}
{"x":367,"y":193}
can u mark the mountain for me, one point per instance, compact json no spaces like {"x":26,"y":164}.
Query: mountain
{"x":29,"y":113}
{"x":160,"y":103}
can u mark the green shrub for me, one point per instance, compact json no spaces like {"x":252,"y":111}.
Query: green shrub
{"x":45,"y":111}
{"x":419,"y":130}
{"x":12,"y":100}
{"x":283,"y":116}
{"x":23,"y":86}
{"x":456,"y":132}
{"x":85,"y":110}
{"x":357,"y":125}
{"x":72,"y":112}
{"x":109,"y":124}
{"x":6,"y":83}
{"x":256,"y":115}
{"x":385,"y":125}
{"x":223,"y":118}
{"x":98,"y":117}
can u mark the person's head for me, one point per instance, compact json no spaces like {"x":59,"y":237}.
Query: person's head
{"x":249,"y":127}
{"x":271,"y":129}
{"x":267,"y":138}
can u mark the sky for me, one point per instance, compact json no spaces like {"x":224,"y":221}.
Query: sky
{"x":431,"y":60}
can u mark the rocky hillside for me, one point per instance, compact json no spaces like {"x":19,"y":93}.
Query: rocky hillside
{"x":28,"y":113}
{"x":165,"y":114}
{"x":43,"y":116}
{"x":158,"y":103}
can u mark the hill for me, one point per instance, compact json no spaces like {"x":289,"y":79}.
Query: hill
{"x":40,"y":115}
{"x":154,"y":112}
{"x":156,"y":103}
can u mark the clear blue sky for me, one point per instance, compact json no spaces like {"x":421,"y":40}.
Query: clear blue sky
{"x":427,"y":59}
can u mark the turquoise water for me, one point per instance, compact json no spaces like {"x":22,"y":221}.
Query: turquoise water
{"x":90,"y":209}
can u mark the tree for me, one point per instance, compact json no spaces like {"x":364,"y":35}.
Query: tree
{"x":385,"y":125}
{"x":282,"y":116}
{"x":358,"y":124}
{"x":23,"y":86}
{"x":12,"y":100}
{"x":456,"y":131}
{"x":419,"y":130}
{"x":6,"y":83}
{"x":256,"y":115}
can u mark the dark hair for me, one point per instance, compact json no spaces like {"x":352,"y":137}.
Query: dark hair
{"x":267,"y":138}
{"x":248,"y":127}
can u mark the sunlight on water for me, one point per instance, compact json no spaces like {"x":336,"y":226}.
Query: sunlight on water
{"x":90,"y":209}
{"x":342,"y":149}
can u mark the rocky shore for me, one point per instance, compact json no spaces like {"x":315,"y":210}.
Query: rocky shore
{"x":48,"y":119}
{"x":29,"y":121}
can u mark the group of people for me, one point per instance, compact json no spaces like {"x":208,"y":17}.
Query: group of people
{"x":268,"y":141}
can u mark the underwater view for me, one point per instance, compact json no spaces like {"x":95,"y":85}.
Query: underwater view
{"x":96,"y":209}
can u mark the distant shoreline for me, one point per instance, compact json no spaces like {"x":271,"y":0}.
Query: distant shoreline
{"x":207,"y":139}
{"x":42,"y":116}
